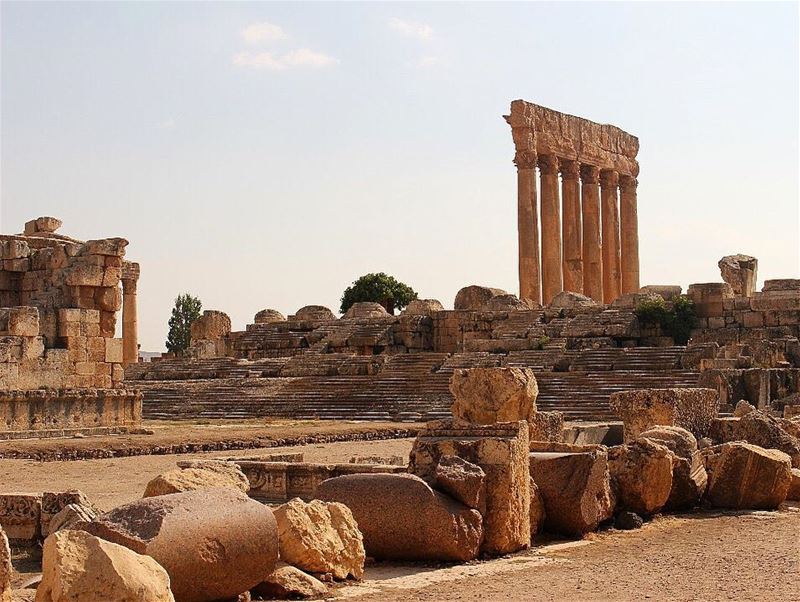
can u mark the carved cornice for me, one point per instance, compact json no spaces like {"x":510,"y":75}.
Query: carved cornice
{"x":525,"y":159}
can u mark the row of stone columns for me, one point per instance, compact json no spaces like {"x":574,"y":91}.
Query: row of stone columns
{"x":589,"y":233}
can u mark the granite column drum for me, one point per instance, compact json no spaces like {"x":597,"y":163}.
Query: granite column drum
{"x":609,"y":210}
{"x":551,"y":228}
{"x":571,"y":227}
{"x":528,"y":226}
{"x":592,"y":243}
{"x":629,"y":234}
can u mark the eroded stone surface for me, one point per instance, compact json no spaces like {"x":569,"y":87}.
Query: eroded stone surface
{"x":78,"y":567}
{"x":641,"y":475}
{"x":462,"y":480}
{"x":5,"y":568}
{"x":475,"y":296}
{"x":289,"y":583}
{"x":691,"y":408}
{"x":320,"y":537}
{"x":191,"y":479}
{"x":402,"y":518}
{"x":213,"y":543}
{"x":758,"y":428}
{"x":740,"y":271}
{"x":72,"y":516}
{"x":490,"y":395}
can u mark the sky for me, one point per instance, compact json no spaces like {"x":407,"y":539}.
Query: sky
{"x":265,"y":155}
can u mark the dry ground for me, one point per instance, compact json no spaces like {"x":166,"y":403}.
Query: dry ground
{"x":724,"y":556}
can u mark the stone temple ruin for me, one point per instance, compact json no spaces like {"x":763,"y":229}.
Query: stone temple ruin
{"x":61,"y":367}
{"x":561,"y":417}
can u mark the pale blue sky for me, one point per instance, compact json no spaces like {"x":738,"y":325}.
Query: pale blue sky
{"x":266,"y":154}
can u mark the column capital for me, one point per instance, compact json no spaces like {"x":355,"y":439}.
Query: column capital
{"x":628,"y":183}
{"x":548,"y":164}
{"x":525,"y":159}
{"x":569,"y":169}
{"x":129,"y":286}
{"x":609,"y":178}
{"x":590,"y":174}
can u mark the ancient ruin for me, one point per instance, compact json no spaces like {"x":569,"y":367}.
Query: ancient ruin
{"x":590,"y":232}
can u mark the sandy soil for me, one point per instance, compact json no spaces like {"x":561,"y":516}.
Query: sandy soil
{"x":704,"y":556}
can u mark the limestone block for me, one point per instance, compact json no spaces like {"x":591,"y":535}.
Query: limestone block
{"x":314,"y":313}
{"x":423,"y":307}
{"x":212,"y":325}
{"x":108,"y":298}
{"x":20,"y":516}
{"x":268,"y":316}
{"x":490,"y":395}
{"x":546,"y":426}
{"x":45,"y":225}
{"x":213,"y":543}
{"x":55,"y":502}
{"x":78,"y":567}
{"x":745,"y":476}
{"x":475,"y":297}
{"x":692,"y":409}
{"x":537,"y":510}
{"x":23,"y":321}
{"x":781,"y":284}
{"x":641,"y":476}
{"x":758,"y":428}
{"x":676,"y":439}
{"x":17,"y":265}
{"x":402,"y":518}
{"x":15,"y":249}
{"x":320,"y":537}
{"x":72,"y":516}
{"x":501,"y":451}
{"x":689,"y":477}
{"x":508,"y":302}
{"x":575,"y":488}
{"x":84,"y":274}
{"x":740,"y":272}
{"x":462,"y":480}
{"x":6,"y":570}
{"x":289,"y":583}
{"x":794,"y":487}
{"x":667,"y":291}
{"x":113,"y":351}
{"x":192,"y":479}
{"x":105,"y":246}
{"x":111,"y":276}
{"x":366,"y":309}
{"x":708,"y":298}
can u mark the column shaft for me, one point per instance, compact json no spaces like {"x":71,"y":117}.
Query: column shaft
{"x":551,"y":229}
{"x":629,"y":233}
{"x":130,"y":337}
{"x":590,"y":209}
{"x":527,"y":226}
{"x":571,"y":228}
{"x":612,"y":278}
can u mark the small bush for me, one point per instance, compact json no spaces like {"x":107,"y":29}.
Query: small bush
{"x":676,"y":320}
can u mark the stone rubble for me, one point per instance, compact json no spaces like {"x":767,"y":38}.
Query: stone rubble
{"x":191,"y":479}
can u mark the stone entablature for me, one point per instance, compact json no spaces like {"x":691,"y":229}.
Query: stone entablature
{"x":592,"y":247}
{"x":50,"y":412}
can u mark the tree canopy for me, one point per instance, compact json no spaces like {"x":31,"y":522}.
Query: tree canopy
{"x":187,"y":310}
{"x":379,"y":288}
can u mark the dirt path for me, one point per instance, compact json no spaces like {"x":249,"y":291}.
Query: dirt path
{"x":750,"y":556}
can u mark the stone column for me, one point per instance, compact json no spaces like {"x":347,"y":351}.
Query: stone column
{"x":130,"y":337}
{"x":527,"y":226}
{"x":571,"y":227}
{"x":629,"y":234}
{"x":590,"y":208}
{"x":609,"y":209}
{"x":551,"y":229}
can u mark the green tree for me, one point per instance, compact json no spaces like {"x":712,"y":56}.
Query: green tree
{"x":187,"y":310}
{"x":379,"y":288}
{"x":676,"y":319}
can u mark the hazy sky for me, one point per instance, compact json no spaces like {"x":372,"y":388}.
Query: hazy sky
{"x":267,"y":154}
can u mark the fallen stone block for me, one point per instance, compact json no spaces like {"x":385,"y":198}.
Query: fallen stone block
{"x":54,"y":502}
{"x":689,"y":476}
{"x":213,"y":543}
{"x":758,"y":428}
{"x":794,"y":486}
{"x":192,"y":479}
{"x":501,"y":451}
{"x":402,"y":518}
{"x":289,"y":583}
{"x":745,"y":476}
{"x":538,"y":512}
{"x":546,"y":426}
{"x":678,"y":440}
{"x":474,"y":297}
{"x":575,"y":488}
{"x":692,"y":409}
{"x":490,"y":395}
{"x":641,"y":476}
{"x":77,"y":566}
{"x":72,"y":516}
{"x":462,"y":480}
{"x":20,"y":517}
{"x":320,"y":537}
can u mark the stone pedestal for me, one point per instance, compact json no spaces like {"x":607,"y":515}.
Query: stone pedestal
{"x":571,"y":228}
{"x":629,"y":233}
{"x":501,"y":450}
{"x":528,"y":226}
{"x":551,"y":228}
{"x":592,"y":257}
{"x":612,"y":281}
